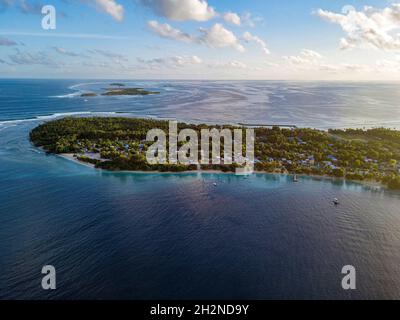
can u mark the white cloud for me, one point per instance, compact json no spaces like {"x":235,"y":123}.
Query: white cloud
{"x":181,"y":10}
{"x":110,"y":7}
{"x":219,"y":37}
{"x":272,"y":65}
{"x":166,"y":31}
{"x":32,"y":58}
{"x":233,"y":64}
{"x":247,"y":36}
{"x":248,"y":19}
{"x":195,"y":60}
{"x":7,"y":42}
{"x":6,"y":3}
{"x":232,"y":18}
{"x":170,"y":62}
{"x":112,"y":57}
{"x":181,"y":61}
{"x":309,"y":60}
{"x":372,"y":27}
{"x":388,"y":65}
{"x":344,"y":68}
{"x":310,"y":54}
{"x":66,"y":52}
{"x":236,"y":64}
{"x":216,"y":37}
{"x":305,"y":57}
{"x":24,"y":6}
{"x":109,"y":54}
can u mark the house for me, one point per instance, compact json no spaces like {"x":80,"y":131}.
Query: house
{"x":311,"y":160}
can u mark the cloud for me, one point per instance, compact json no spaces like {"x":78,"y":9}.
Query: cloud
{"x":247,"y":19}
{"x":216,"y":36}
{"x":236,"y":64}
{"x":111,"y":7}
{"x":66,"y":35}
{"x":312,"y":60}
{"x":24,"y":6}
{"x":306,"y":57}
{"x":232,"y":18}
{"x":370,"y":27}
{"x":30,"y":8}
{"x":5,"y":4}
{"x":113,"y":59}
{"x":182,"y":10}
{"x":170,"y":62}
{"x":272,"y":64}
{"x":219,"y":37}
{"x":248,"y":37}
{"x":344,"y":67}
{"x":182,"y":61}
{"x":32,"y":58}
{"x":109,"y":54}
{"x":7,"y":42}
{"x":164,"y":30}
{"x":310,"y":54}
{"x":233,"y":64}
{"x":388,"y":65}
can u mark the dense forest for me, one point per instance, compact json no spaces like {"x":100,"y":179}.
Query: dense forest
{"x":117,"y":143}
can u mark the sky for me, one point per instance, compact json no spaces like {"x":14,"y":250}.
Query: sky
{"x":202,"y":39}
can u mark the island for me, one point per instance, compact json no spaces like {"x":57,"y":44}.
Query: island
{"x":88,"y":94}
{"x":118,"y":89}
{"x":128,"y":92}
{"x":119,"y":143}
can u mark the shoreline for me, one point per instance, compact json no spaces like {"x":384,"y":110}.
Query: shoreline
{"x":366,"y":183}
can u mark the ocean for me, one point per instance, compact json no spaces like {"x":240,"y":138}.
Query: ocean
{"x":116,"y":235}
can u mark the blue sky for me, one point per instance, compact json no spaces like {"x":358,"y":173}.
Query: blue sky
{"x":199,"y":39}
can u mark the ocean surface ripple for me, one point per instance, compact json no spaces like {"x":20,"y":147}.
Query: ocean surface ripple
{"x":165,"y":236}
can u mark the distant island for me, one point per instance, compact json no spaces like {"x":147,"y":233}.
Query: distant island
{"x":88,"y":94}
{"x":117,"y":143}
{"x":128,"y":92}
{"x":120,"y":91}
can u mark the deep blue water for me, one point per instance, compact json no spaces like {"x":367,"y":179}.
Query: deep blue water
{"x":144,"y":236}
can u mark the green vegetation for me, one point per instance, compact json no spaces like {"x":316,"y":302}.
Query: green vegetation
{"x":119,"y":144}
{"x":128,"y":92}
{"x":120,"y":91}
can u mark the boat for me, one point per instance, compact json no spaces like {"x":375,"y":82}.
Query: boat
{"x":295,"y":178}
{"x":336,"y":201}
{"x":215,"y":184}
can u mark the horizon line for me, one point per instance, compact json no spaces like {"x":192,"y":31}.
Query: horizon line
{"x":189,"y":79}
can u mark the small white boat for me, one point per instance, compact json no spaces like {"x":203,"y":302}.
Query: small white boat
{"x":295,"y":178}
{"x":215,"y":184}
{"x":336,"y":201}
